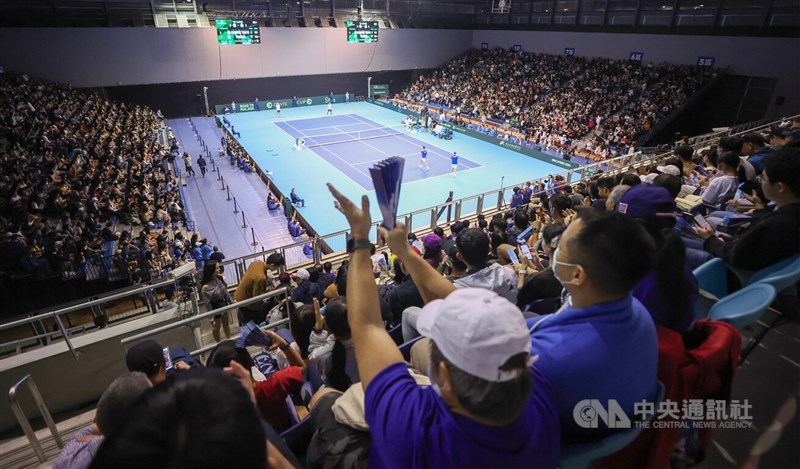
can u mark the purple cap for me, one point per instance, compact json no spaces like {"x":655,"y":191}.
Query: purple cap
{"x":646,"y":201}
{"x":432,"y":241}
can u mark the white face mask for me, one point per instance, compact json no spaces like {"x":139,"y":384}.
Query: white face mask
{"x":555,"y":268}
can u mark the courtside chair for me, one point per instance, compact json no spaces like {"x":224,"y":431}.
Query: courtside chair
{"x":781,"y":275}
{"x":744,"y":307}
{"x":580,"y":456}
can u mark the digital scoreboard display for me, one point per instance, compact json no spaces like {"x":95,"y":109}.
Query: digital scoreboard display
{"x":238,"y":32}
{"x":362,"y":31}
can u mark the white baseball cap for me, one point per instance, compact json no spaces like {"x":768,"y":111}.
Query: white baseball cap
{"x":477,"y":331}
{"x":302,"y":274}
{"x":669,"y":169}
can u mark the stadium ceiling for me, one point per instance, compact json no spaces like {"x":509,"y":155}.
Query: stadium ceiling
{"x":722,"y":17}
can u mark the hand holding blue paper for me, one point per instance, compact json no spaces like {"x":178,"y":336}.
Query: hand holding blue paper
{"x":387,"y":177}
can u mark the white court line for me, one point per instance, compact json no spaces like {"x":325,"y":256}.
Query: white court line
{"x":381,"y":159}
{"x":328,"y":126}
{"x":403,"y":137}
{"x":302,"y":134}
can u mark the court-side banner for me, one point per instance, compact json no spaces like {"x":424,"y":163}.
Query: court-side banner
{"x":270,"y":104}
{"x":487,"y":138}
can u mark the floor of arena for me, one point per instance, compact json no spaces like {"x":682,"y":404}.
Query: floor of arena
{"x":482,"y":165}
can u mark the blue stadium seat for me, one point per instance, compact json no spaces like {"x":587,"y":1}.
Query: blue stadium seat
{"x":298,"y":436}
{"x":581,"y":455}
{"x":744,"y":307}
{"x":781,"y":275}
{"x":712,"y":277}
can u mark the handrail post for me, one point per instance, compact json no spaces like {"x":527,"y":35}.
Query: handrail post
{"x":457,"y":215}
{"x":434,"y":218}
{"x":23,"y":420}
{"x":75,"y":354}
{"x":479,"y":209}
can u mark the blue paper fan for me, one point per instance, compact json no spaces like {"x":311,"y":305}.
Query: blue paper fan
{"x":387,"y":177}
{"x":251,"y":334}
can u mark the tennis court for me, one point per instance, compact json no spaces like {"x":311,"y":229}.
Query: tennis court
{"x":352,"y":144}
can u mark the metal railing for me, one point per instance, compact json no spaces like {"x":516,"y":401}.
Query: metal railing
{"x":126,"y":342}
{"x":25,"y":423}
{"x":57,"y":314}
{"x":332,"y":246}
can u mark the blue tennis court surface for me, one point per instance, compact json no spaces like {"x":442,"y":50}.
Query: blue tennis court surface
{"x":270,"y":140}
{"x":353,"y":144}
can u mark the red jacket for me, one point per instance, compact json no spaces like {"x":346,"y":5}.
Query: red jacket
{"x":700,"y":370}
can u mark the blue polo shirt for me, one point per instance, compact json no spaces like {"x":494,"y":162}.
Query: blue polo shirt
{"x":605,"y":351}
{"x":424,"y":154}
{"x":411,"y":426}
{"x":454,"y":159}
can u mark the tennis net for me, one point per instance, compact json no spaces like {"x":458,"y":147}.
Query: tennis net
{"x":310,"y":141}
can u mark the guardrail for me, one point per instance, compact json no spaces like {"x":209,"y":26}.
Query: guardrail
{"x":210,"y":314}
{"x":147,"y":290}
{"x":25,"y":423}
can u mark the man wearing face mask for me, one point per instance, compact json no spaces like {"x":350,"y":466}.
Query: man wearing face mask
{"x":602,"y":344}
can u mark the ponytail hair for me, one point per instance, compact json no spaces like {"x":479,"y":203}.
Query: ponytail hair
{"x":337,"y":376}
{"x":674,"y":285}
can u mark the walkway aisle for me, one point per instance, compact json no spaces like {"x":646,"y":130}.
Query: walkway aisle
{"x":208,"y":206}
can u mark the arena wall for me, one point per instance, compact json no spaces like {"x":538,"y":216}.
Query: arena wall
{"x":98,"y":57}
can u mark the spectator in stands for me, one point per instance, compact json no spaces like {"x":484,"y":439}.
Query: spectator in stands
{"x":326,"y":276}
{"x":307,"y":289}
{"x":197,"y":419}
{"x":772,"y":235}
{"x":214,"y":292}
{"x":543,"y":284}
{"x":473,"y":250}
{"x":257,"y":280}
{"x":114,"y":403}
{"x":331,"y":347}
{"x":482,"y":407}
{"x":755,"y":148}
{"x":723,"y":186}
{"x":670,"y":291}
{"x":272,"y":202}
{"x":271,"y":393}
{"x":148,"y":357}
{"x":432,"y":252}
{"x":301,"y":323}
{"x":403,"y":297}
{"x":604,"y":187}
{"x":616,"y":194}
{"x":599,"y":260}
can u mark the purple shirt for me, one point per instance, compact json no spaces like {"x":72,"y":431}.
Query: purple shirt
{"x":77,"y":454}
{"x":411,"y":426}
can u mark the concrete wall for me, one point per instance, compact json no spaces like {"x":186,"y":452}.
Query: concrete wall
{"x":90,"y":57}
{"x":769,"y":57}
{"x":67,"y":384}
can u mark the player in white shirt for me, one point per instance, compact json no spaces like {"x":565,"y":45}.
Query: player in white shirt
{"x":278,"y":109}
{"x":330,"y":109}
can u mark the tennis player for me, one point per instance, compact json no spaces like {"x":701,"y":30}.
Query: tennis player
{"x":423,"y":159}
{"x":330,"y":109}
{"x":454,"y":163}
{"x":278,"y":109}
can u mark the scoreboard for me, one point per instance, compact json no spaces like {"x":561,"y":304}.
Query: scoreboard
{"x":362,"y":31}
{"x":238,"y":32}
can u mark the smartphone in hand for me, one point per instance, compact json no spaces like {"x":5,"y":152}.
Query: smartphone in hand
{"x":526,"y":251}
{"x":701,"y":221}
{"x":513,"y":256}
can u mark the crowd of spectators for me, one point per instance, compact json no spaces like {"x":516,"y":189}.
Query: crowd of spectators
{"x":507,"y":325}
{"x":555,"y":101}
{"x":85,"y":186}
